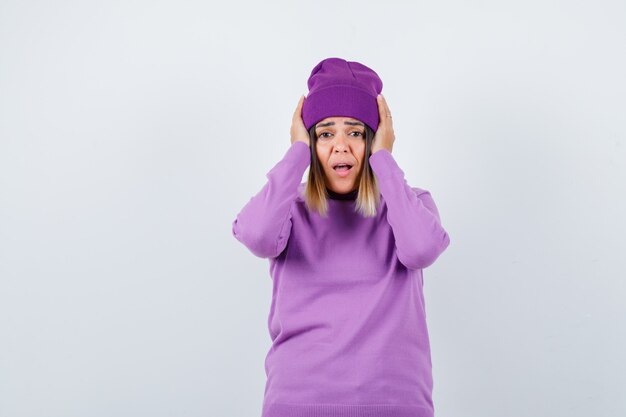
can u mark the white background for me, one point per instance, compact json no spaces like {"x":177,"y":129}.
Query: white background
{"x":133,"y":132}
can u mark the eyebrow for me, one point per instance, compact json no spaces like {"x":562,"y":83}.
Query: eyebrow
{"x":345,"y":123}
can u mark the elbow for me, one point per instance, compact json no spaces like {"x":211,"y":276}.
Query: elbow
{"x":257,"y":242}
{"x":425,"y":256}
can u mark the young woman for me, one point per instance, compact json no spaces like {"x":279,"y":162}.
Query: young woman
{"x":346,"y":251}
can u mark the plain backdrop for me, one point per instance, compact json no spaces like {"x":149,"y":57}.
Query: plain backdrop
{"x":132,"y":133}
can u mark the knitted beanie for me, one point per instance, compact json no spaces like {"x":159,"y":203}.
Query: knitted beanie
{"x":342,"y":88}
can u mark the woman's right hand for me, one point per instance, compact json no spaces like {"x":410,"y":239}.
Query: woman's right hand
{"x":298,"y":130}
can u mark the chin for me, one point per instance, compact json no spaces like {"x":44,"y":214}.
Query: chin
{"x":341,"y":185}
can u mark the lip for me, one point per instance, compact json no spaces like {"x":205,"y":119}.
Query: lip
{"x":341,"y":162}
{"x":344,"y":173}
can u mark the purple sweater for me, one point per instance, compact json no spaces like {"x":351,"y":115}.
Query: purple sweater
{"x":347,"y":318}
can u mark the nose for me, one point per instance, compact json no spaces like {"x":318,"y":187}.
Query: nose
{"x":341,"y":143}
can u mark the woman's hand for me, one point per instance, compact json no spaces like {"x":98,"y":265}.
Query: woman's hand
{"x":384,"y":137}
{"x":298,"y":130}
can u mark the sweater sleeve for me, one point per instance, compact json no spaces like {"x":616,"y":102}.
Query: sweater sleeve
{"x":411,"y":213}
{"x":264,"y":224}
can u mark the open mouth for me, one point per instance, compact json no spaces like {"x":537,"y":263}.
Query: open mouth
{"x":342,"y":169}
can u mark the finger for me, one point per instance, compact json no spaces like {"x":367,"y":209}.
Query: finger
{"x":382,"y":113}
{"x":381,"y":107}
{"x":386,"y":106}
{"x":298,"y":110}
{"x":386,"y":112}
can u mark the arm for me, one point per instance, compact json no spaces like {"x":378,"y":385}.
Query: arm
{"x":411,"y":213}
{"x":264,"y":223}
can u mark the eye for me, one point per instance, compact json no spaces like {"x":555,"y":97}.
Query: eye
{"x":358,"y":133}
{"x":321,"y":135}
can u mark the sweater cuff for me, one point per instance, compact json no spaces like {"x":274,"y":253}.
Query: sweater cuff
{"x":298,"y":152}
{"x":297,"y":157}
{"x":384,"y":165}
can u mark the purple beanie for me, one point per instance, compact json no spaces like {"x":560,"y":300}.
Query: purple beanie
{"x":342,"y":88}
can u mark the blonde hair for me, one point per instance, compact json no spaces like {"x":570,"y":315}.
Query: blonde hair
{"x":315,"y":194}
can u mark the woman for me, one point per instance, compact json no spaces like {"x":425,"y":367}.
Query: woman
{"x":346,"y":252}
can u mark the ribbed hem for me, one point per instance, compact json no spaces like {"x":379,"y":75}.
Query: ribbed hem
{"x":295,"y":160}
{"x":341,"y":100}
{"x":384,"y":165}
{"x":299,"y":152}
{"x":344,"y":410}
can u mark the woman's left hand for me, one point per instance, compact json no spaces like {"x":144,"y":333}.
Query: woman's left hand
{"x":384,"y":137}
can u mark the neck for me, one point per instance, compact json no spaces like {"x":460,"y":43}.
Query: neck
{"x":351,"y":195}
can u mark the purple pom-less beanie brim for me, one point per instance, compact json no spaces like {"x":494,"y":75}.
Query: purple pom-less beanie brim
{"x":342,"y":88}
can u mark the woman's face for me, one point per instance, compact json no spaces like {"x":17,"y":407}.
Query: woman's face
{"x":341,"y":140}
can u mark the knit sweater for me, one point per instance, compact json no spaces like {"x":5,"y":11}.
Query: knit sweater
{"x":347,"y":318}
